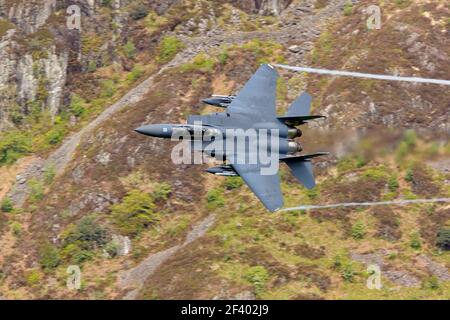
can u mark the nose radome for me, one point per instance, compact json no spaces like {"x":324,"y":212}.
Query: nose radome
{"x":150,"y":130}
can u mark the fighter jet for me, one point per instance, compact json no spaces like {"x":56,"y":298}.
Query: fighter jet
{"x":253,"y":108}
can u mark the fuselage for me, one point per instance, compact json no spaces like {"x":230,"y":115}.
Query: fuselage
{"x":210,"y":127}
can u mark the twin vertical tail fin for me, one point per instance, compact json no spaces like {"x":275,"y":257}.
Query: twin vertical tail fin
{"x":302,"y":169}
{"x":298,"y":112}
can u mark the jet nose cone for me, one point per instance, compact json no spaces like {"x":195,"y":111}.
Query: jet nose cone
{"x":144,"y":130}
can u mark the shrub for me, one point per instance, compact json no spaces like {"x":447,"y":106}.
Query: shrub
{"x":135,"y":73}
{"x":431,"y":283}
{"x":87,"y":233}
{"x":393,"y":184}
{"x":443,"y":238}
{"x":13,"y":145}
{"x":135,"y":213}
{"x":410,"y":138}
{"x":258,"y":277}
{"x":33,"y":277}
{"x":49,"y":256}
{"x":129,"y":49}
{"x":233,"y":183}
{"x":348,"y":273}
{"x":201,"y":62}
{"x":36,"y":190}
{"x":348,"y":8}
{"x":409,"y":175}
{"x":168,"y":48}
{"x":49,"y":174}
{"x":223,"y":58}
{"x":7,"y":205}
{"x":358,"y":230}
{"x":139,"y":11}
{"x":106,"y":3}
{"x":108,"y":88}
{"x":16,"y":228}
{"x":112,"y":248}
{"x":215,"y":198}
{"x":55,"y":135}
{"x":162,"y":191}
{"x":415,"y":241}
{"x":312,"y":193}
{"x":74,"y":253}
{"x":77,"y":105}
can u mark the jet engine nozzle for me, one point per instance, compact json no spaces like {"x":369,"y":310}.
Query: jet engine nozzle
{"x":294,"y":132}
{"x":294,"y":147}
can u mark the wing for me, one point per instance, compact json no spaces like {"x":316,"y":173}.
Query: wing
{"x":265,"y":187}
{"x":258,"y":95}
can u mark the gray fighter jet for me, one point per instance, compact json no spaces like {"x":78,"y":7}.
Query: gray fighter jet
{"x":253,"y":108}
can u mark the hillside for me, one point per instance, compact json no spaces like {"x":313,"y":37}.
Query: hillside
{"x":80,"y":187}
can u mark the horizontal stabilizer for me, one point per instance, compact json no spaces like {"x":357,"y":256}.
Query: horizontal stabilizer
{"x":301,"y":106}
{"x":298,"y":120}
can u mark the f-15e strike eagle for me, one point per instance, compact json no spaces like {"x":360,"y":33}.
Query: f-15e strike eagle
{"x":253,"y":108}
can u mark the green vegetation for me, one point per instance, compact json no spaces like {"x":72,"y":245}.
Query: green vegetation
{"x":161,"y":191}
{"x":415,"y":242}
{"x":345,"y":267}
{"x":91,"y":43}
{"x":49,"y":256}
{"x":350,"y":163}
{"x":231,"y":183}
{"x":5,"y":26}
{"x":358,"y":230}
{"x":348,"y":8}
{"x":258,"y":277}
{"x":139,"y":11}
{"x":264,"y":51}
{"x":223,"y":57}
{"x":77,"y":105}
{"x":402,"y":3}
{"x":215,"y":198}
{"x":376,"y":173}
{"x":443,"y":238}
{"x":431,"y":283}
{"x":201,"y":62}
{"x":135,"y":73}
{"x":33,"y":277}
{"x":13,"y":145}
{"x":406,"y":145}
{"x":168,"y":48}
{"x":108,"y":88}
{"x":129,"y":49}
{"x":7,"y":205}
{"x":323,"y":48}
{"x":80,"y":240}
{"x":153,"y":21}
{"x":393,"y":183}
{"x":36,"y":190}
{"x":135,"y":213}
{"x":16,"y":228}
{"x":112,"y":248}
